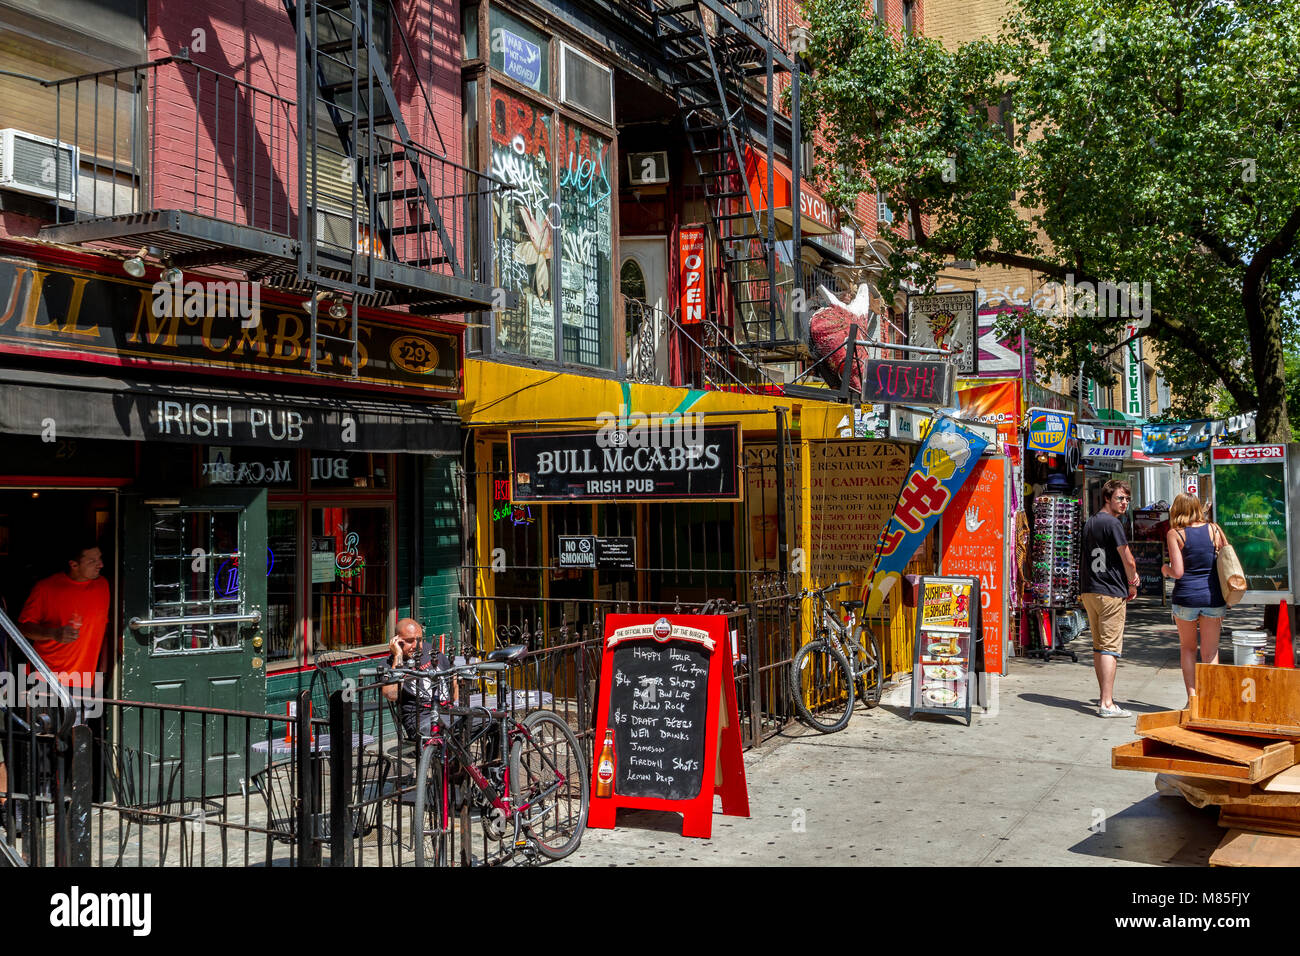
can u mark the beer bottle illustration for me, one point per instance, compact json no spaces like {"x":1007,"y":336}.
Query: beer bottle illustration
{"x":605,"y":767}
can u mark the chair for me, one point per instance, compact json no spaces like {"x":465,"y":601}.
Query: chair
{"x":143,"y":789}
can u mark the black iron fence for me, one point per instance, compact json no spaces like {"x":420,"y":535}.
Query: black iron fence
{"x":130,"y":784}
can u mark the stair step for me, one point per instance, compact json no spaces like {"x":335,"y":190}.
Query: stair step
{"x":428,"y":261}
{"x":338,"y":46}
{"x":412,"y":229}
{"x":411,"y":192}
{"x":736,"y":215}
{"x":381,"y":158}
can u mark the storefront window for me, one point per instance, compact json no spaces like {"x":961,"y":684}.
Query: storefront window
{"x":257,"y":467}
{"x":521,"y":149}
{"x":586,"y":249}
{"x":281,"y":625}
{"x":520,"y":52}
{"x":469,"y":33}
{"x":349,"y":588}
{"x":359,"y":470}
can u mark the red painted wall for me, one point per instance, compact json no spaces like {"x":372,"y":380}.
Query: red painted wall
{"x":229,"y":149}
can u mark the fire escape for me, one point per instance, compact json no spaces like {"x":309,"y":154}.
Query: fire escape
{"x":328,"y":194}
{"x":724,"y":66}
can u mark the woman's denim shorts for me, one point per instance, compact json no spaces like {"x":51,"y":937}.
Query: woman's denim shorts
{"x":1192,"y":613}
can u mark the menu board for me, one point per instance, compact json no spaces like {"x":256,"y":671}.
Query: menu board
{"x":657,"y":710}
{"x":1149,"y":555}
{"x":947,"y":631}
{"x":667,"y":721}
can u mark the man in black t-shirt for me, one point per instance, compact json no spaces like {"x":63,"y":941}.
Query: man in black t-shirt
{"x":418,"y":697}
{"x":1107,"y":581}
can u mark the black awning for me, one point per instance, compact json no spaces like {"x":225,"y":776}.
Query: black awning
{"x":72,"y":406}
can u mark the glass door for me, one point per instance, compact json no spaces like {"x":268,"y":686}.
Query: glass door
{"x":195,"y":602}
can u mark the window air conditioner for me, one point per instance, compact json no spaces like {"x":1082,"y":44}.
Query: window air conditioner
{"x":38,"y":166}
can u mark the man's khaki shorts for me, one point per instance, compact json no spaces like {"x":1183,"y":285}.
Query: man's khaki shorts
{"x":1106,"y":621}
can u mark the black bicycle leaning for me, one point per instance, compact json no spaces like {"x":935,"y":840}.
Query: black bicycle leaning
{"x":523,"y":780}
{"x":841,"y":662}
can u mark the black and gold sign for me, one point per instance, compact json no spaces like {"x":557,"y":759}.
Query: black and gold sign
{"x":61,"y":310}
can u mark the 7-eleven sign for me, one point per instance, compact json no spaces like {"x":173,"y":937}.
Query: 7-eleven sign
{"x":1134,"y":386}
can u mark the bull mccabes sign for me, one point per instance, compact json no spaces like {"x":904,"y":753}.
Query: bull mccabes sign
{"x":60,"y":310}
{"x":585,"y":465}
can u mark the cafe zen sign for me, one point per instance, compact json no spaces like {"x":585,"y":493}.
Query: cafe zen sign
{"x":889,"y":382}
{"x":578,"y":465}
{"x":63,"y":311}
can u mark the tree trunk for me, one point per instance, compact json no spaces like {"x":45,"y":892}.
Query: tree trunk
{"x":1264,"y":320}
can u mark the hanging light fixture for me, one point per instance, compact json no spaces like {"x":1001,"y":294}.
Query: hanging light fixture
{"x":134,"y":266}
{"x":309,"y":305}
{"x":337,"y":309}
{"x":172,"y":274}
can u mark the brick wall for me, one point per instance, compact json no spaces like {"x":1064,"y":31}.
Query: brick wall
{"x":231,"y":151}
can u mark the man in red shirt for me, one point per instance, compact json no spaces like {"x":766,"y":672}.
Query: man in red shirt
{"x":66,"y":615}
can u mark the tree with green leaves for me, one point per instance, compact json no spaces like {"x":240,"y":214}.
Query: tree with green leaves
{"x":1155,"y":141}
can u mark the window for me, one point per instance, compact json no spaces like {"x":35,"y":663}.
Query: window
{"x":908,"y":14}
{"x":281,"y":625}
{"x":521,"y":155}
{"x":520,"y":52}
{"x":586,"y":251}
{"x":349,"y":592}
{"x":469,"y":33}
{"x":586,"y":85}
{"x":880,"y":9}
{"x":883,"y":212}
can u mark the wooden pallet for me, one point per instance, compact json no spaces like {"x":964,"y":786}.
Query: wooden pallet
{"x":1233,"y":760}
{"x":1260,"y":701}
{"x":1244,"y":848}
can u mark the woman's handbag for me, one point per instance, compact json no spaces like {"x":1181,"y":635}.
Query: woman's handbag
{"x":1232,"y":579}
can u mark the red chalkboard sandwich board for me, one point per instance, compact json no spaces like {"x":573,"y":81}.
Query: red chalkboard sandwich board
{"x":668,"y":713}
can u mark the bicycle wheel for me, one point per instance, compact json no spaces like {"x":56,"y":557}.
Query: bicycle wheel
{"x":428,"y":834}
{"x":820,"y":686}
{"x":548,"y":783}
{"x":869,"y":666}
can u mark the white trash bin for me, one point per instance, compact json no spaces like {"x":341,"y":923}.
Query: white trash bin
{"x":1248,"y":648}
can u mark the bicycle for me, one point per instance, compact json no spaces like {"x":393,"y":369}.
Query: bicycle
{"x":842,"y":662}
{"x":524,"y":777}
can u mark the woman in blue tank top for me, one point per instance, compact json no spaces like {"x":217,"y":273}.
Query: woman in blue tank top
{"x":1198,"y":600}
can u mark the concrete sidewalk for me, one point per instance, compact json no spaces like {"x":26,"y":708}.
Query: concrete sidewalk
{"x":1027,"y":784}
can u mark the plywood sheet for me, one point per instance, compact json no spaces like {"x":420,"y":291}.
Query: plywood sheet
{"x":1246,"y":700}
{"x":1288,"y":781}
{"x":1161,"y":718}
{"x":1154,"y":756}
{"x":1271,"y":756}
{"x":1244,"y":848}
{"x":1202,"y":792}
{"x":1281,"y":820}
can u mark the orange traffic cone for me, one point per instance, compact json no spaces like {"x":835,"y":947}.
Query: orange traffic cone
{"x":1283,"y":652}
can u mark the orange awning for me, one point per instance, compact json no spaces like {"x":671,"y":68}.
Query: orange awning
{"x":816,"y":216}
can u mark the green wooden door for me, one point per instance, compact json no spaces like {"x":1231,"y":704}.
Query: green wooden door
{"x":204,"y":557}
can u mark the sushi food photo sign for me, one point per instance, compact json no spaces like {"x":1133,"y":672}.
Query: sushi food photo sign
{"x":1250,"y":505}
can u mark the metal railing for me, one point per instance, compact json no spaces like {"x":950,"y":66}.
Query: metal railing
{"x":663,"y":351}
{"x":171,"y":134}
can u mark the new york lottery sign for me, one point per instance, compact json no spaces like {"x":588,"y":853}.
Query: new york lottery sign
{"x":1049,"y":430}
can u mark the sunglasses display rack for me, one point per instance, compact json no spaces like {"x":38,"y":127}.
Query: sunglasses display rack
{"x":1054,"y":564}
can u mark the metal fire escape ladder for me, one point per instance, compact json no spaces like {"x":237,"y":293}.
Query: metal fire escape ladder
{"x":709,"y":72}
{"x":340,"y":69}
